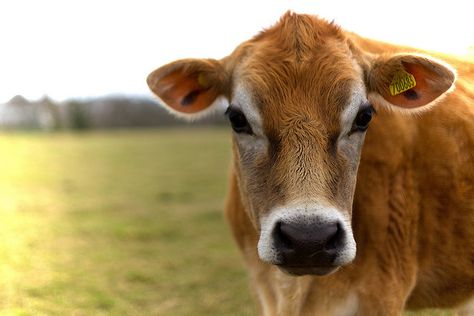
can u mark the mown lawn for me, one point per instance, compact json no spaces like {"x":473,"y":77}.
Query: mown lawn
{"x":118,"y":223}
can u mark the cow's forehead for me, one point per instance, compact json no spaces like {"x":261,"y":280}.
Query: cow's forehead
{"x":303,"y":68}
{"x":327,"y":79}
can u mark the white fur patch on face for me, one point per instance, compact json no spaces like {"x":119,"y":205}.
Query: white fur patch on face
{"x":358,"y":97}
{"x":301,"y":213}
{"x":350,"y":143}
{"x":350,"y":112}
{"x":243,"y":100}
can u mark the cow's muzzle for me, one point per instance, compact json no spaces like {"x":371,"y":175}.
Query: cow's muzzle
{"x":306,"y":240}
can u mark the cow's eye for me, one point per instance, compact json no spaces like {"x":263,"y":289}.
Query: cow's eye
{"x":362,"y":120}
{"x":238,"y":121}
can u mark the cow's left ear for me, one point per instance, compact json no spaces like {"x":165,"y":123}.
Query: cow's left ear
{"x":191,"y":88}
{"x":409,"y":81}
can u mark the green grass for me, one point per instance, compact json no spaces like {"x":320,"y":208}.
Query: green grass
{"x":118,"y":223}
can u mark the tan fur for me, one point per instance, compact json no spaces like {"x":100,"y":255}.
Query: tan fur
{"x":412,"y":202}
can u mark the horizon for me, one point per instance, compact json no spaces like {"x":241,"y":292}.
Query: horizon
{"x":94,"y":49}
{"x":84,"y":98}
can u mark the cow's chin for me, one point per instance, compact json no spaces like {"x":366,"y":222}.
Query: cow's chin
{"x":307,"y":270}
{"x":301,"y":271}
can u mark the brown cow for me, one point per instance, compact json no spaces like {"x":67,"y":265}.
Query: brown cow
{"x":303,"y":192}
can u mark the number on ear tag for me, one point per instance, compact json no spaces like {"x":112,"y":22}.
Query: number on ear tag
{"x":402,"y":81}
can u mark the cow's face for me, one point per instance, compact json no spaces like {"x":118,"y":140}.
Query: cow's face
{"x":299,"y":98}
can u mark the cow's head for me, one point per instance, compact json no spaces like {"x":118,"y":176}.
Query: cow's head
{"x":300,"y":97}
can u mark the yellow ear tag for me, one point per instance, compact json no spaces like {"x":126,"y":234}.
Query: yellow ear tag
{"x":202,"y":80}
{"x":402,"y":81}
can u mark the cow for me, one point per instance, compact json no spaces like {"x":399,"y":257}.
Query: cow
{"x":334,"y":217}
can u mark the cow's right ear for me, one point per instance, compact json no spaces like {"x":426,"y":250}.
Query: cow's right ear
{"x":191,"y":88}
{"x":409,"y":82}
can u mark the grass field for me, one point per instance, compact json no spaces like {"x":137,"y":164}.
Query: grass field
{"x":118,"y":223}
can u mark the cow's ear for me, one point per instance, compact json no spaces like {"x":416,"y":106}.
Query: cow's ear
{"x":409,"y":81}
{"x":190,"y":88}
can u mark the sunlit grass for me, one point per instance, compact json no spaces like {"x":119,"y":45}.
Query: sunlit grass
{"x":122,"y":223}
{"x":118,"y":223}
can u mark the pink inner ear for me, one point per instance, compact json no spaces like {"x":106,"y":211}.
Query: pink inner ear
{"x":422,"y":94}
{"x":183,"y":93}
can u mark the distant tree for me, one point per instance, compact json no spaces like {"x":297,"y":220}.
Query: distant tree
{"x":78,"y":117}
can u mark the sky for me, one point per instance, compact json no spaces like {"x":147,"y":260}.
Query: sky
{"x":76,"y":49}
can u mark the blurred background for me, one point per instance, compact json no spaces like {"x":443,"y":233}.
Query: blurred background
{"x":108,"y":205}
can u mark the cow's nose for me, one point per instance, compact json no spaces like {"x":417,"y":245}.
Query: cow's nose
{"x":304,"y":244}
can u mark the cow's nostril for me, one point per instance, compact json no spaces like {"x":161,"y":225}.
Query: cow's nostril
{"x":281,"y":237}
{"x":335,"y":241}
